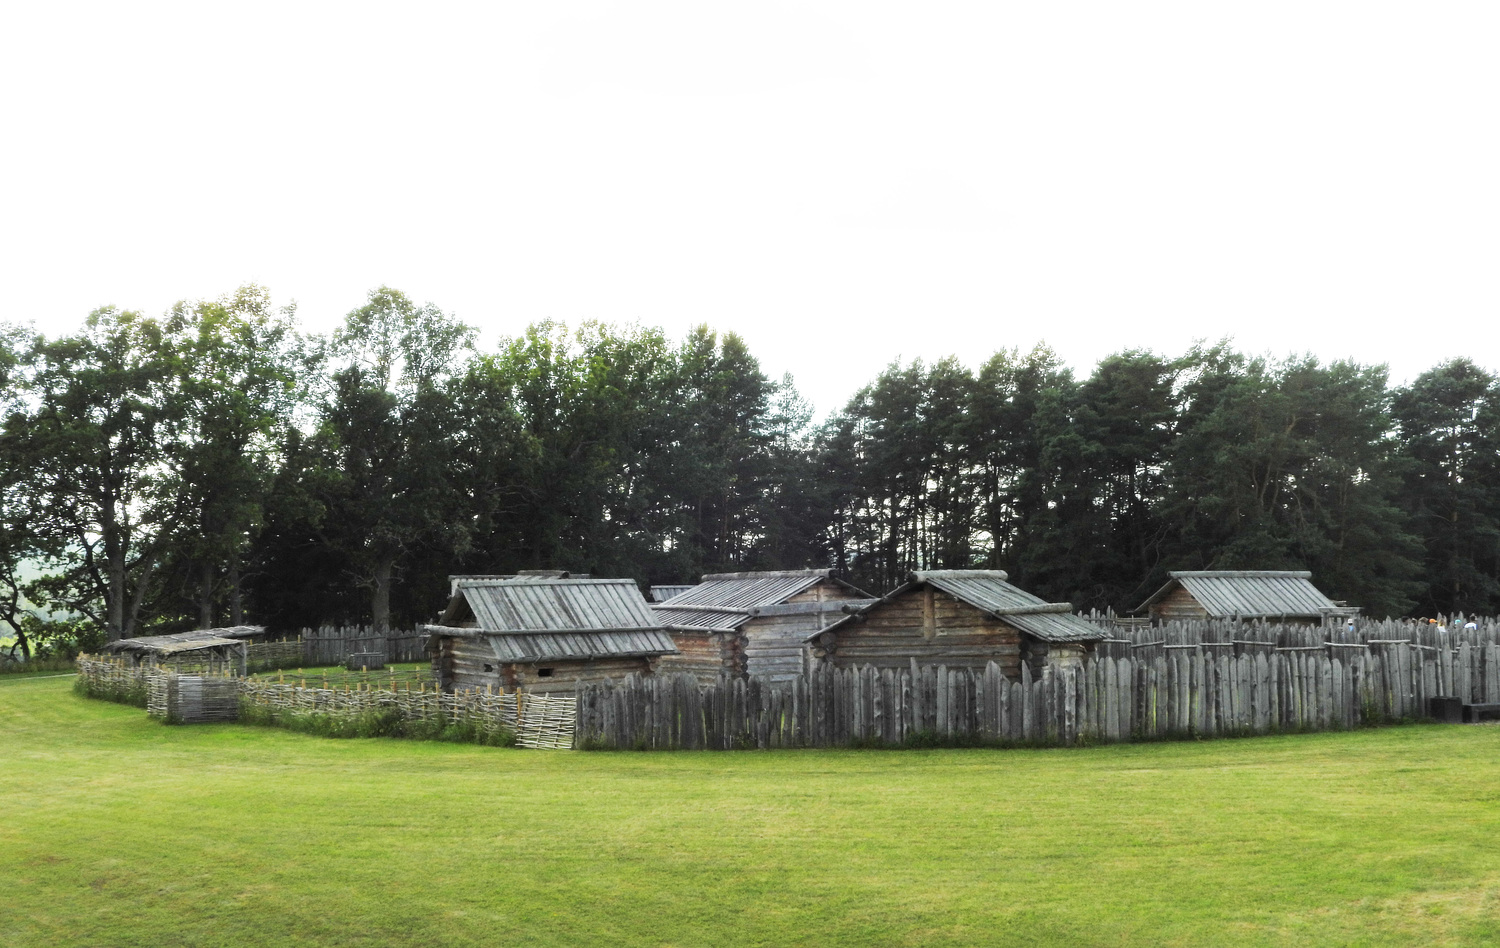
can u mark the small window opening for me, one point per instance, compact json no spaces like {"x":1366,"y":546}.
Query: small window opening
{"x":544,"y":673}
{"x":489,"y":668}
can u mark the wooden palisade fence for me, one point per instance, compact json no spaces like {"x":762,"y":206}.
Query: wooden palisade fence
{"x":330,"y":645}
{"x":1181,"y":691}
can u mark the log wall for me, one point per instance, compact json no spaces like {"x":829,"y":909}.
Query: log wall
{"x":926,"y":625}
{"x":1178,"y":604}
{"x":566,"y":678}
{"x":775,"y":647}
{"x":462,"y":663}
{"x":704,"y":655}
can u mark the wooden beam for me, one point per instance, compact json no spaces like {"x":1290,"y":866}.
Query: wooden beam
{"x":728,"y":610}
{"x":1041,"y":608}
{"x":811,"y":608}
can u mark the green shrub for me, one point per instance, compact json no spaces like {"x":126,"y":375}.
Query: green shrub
{"x":49,"y":663}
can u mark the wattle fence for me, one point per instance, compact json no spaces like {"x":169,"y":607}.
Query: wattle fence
{"x":1181,"y":691}
{"x":539,"y":721}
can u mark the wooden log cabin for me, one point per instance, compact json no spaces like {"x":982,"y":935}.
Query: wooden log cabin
{"x":544,"y":634}
{"x":753,"y":624}
{"x":1285,"y":595}
{"x":961,"y":618}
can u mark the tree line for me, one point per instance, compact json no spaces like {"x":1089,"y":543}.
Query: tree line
{"x":216,"y":465}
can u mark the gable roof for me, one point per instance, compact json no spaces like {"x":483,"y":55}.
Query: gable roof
{"x":531,"y":618}
{"x":519,"y":576}
{"x":988,"y":591}
{"x":663,"y":593}
{"x":548,"y":604}
{"x":1250,"y":594}
{"x":726,"y":601}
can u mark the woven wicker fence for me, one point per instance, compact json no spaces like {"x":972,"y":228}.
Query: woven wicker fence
{"x":268,"y":656}
{"x":113,"y":680}
{"x":539,"y":721}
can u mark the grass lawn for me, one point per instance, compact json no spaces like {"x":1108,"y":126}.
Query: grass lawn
{"x":119,"y":831}
{"x":337,"y":675}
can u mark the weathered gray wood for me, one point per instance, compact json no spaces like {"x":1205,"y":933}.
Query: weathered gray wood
{"x":1028,"y":712}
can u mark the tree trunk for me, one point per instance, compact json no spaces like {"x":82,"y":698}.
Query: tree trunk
{"x":114,"y":577}
{"x":236,"y":598}
{"x":380,"y":599}
{"x":146,"y":566}
{"x":206,"y":596}
{"x":25,"y":645}
{"x":13,"y":614}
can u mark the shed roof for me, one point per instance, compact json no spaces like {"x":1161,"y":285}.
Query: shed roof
{"x":525,"y":604}
{"x":237,"y":631}
{"x":988,"y":591}
{"x":174,"y":643}
{"x":725,"y":601}
{"x":1250,"y":594}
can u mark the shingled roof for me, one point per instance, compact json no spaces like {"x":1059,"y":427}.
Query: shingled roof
{"x":1251,"y":594}
{"x":536,"y":618}
{"x":988,"y":591}
{"x":725,"y":601}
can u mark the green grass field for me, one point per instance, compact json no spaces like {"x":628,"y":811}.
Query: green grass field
{"x":338,"y":676}
{"x":119,"y":831}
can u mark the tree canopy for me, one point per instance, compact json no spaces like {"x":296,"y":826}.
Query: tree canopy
{"x":216,"y":465}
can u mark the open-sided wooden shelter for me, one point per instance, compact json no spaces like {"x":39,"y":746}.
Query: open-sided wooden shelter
{"x":215,"y":647}
{"x":961,"y":618}
{"x":1285,"y":595}
{"x":753,"y":624}
{"x":545,"y":634}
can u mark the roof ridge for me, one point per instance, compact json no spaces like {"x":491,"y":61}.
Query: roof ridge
{"x":1240,"y":574}
{"x":542,"y":581}
{"x":999,"y":574}
{"x":764,"y":574}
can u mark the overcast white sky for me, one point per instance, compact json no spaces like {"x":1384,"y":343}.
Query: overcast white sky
{"x":842,"y":183}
